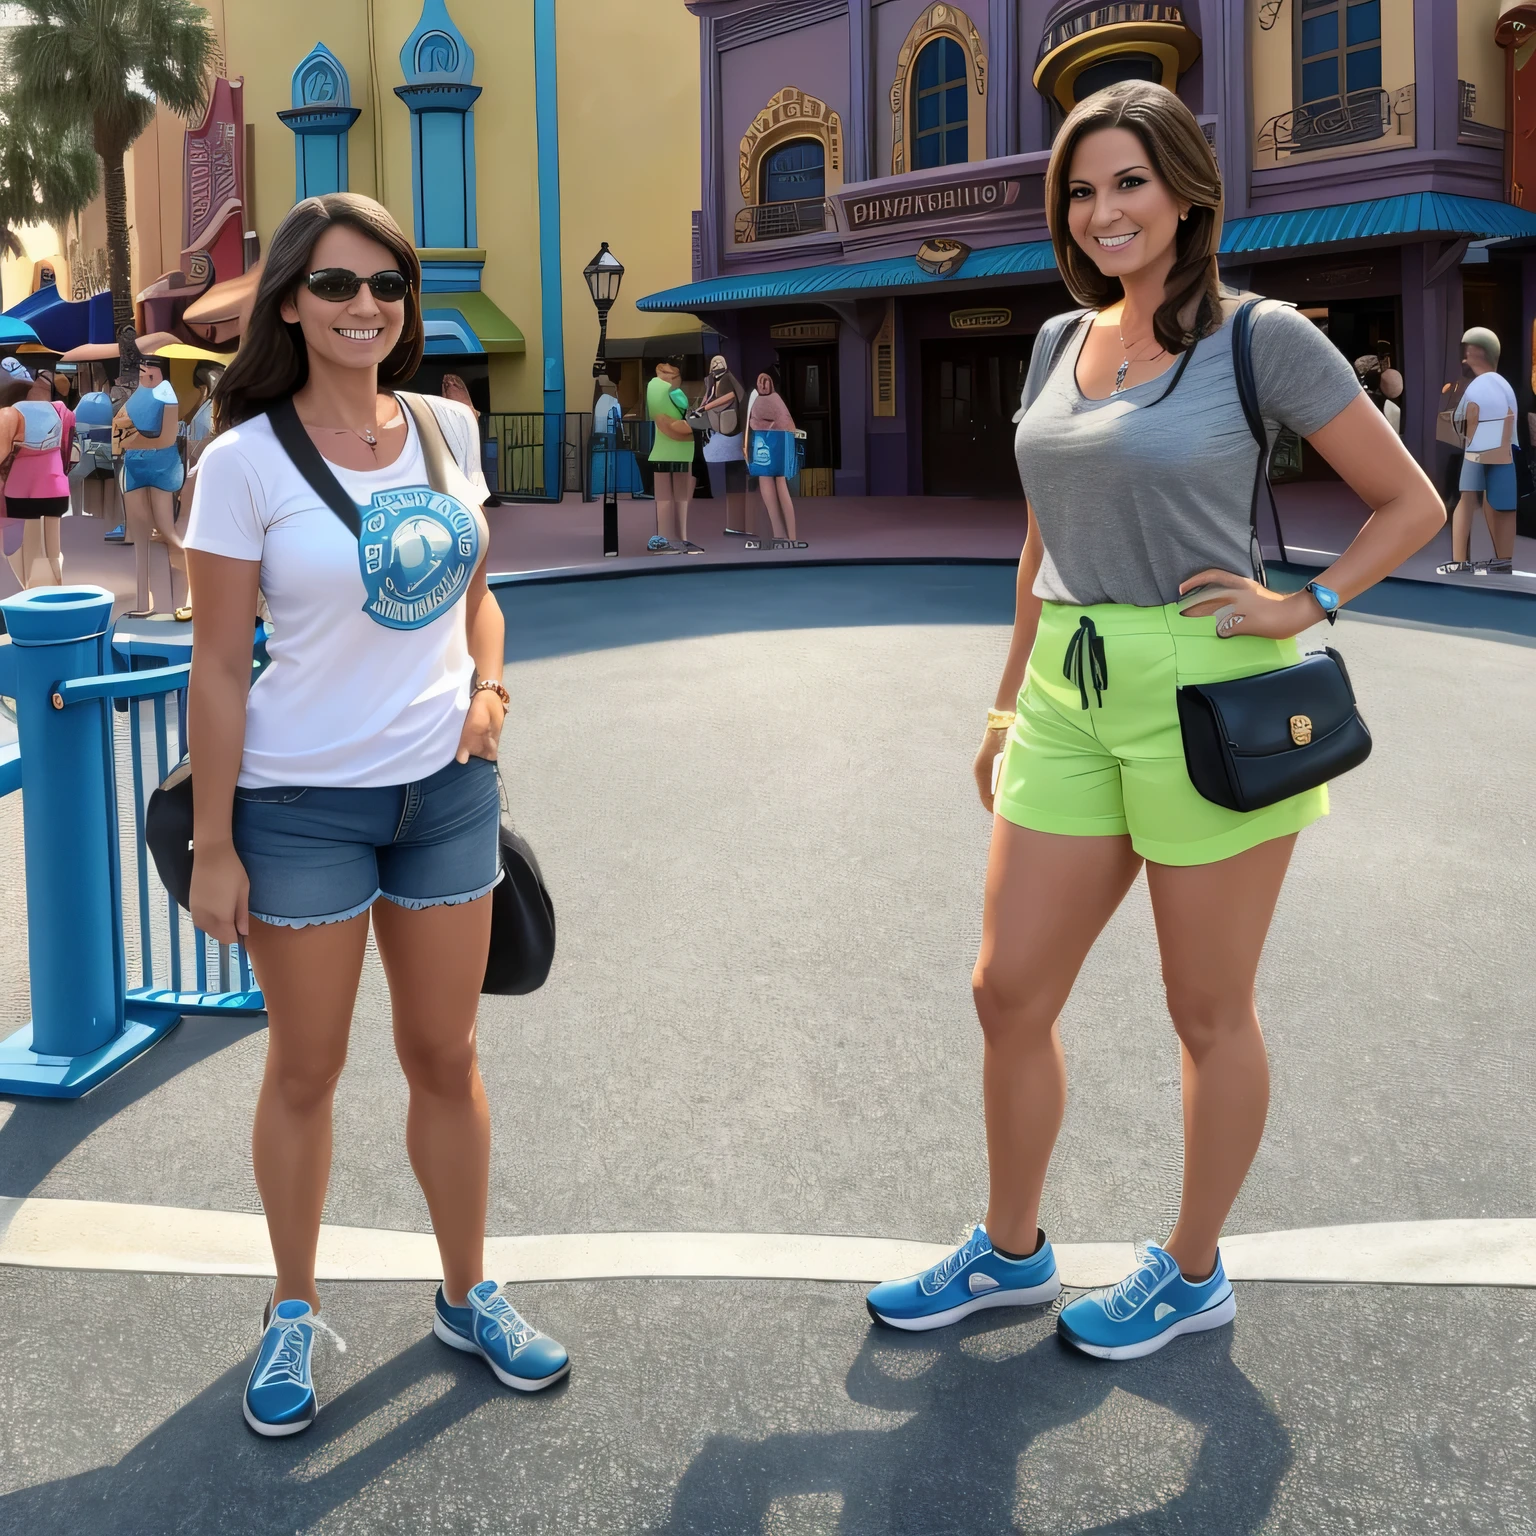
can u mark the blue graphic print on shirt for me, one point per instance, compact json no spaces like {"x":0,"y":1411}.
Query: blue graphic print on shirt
{"x":418,"y":549}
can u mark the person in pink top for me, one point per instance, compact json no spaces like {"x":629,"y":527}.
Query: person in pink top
{"x":37,"y":487}
{"x":770,"y":413}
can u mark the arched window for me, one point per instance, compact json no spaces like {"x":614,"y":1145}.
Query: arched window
{"x":796,"y":169}
{"x":940,"y":106}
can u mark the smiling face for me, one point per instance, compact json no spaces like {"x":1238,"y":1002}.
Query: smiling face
{"x":1120,"y":212}
{"x":359,"y":332}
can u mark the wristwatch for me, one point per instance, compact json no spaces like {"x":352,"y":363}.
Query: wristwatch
{"x":1327,"y":599}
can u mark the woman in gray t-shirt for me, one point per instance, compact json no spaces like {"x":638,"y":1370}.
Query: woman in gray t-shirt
{"x":1139,"y":465}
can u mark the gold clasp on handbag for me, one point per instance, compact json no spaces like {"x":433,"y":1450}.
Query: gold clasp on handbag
{"x":1301,"y":730}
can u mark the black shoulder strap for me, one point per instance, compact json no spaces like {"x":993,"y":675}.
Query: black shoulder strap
{"x":307,"y":459}
{"x":1062,"y":342}
{"x":1248,"y":395}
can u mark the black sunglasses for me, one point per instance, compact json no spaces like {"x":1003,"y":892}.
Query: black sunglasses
{"x":336,"y":285}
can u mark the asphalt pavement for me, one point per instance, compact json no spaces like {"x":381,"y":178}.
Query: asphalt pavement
{"x":750,"y":793}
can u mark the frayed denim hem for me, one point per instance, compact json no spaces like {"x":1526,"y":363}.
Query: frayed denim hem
{"x":315,"y":922}
{"x":444,"y":901}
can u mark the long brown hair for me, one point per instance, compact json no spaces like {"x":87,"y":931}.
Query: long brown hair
{"x":273,"y":361}
{"x":1177,"y":151}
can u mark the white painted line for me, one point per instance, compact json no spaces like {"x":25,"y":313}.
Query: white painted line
{"x":156,"y":1239}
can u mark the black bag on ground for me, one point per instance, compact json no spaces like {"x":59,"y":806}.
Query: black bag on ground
{"x":522,"y":912}
{"x":1256,"y":740}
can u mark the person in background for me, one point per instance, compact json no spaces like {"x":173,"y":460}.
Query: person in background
{"x":206,"y":377}
{"x":672,"y":460}
{"x":770,"y":413}
{"x":455,"y":389}
{"x":1392,"y":392}
{"x":37,"y":487}
{"x":607,"y":410}
{"x":724,"y":408}
{"x":12,"y":429}
{"x":1485,"y":415}
{"x":146,"y":430}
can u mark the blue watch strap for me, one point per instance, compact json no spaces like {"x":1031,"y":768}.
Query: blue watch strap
{"x":1327,"y":599}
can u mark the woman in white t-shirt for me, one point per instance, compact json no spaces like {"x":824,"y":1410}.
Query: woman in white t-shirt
{"x":360,"y":765}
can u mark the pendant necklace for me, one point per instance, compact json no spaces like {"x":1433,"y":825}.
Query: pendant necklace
{"x":1125,"y":366}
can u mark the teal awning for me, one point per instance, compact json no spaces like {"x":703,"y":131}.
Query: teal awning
{"x":1414,"y":213}
{"x":1383,"y":217}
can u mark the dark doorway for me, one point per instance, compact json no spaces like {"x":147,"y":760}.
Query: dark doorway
{"x":971,"y":389}
{"x":810,"y":390}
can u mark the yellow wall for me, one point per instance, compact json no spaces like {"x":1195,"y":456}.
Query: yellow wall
{"x":1274,"y":74}
{"x":1479,"y":59}
{"x":622,"y":65}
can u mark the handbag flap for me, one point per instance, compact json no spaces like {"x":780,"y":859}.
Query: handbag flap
{"x":1256,"y":714}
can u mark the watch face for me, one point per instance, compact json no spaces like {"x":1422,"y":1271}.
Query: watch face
{"x":1325,"y":595}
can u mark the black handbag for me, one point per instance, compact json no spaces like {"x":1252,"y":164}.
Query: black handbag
{"x":1256,"y":740}
{"x":522,"y":912}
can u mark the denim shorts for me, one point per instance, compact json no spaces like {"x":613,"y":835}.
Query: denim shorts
{"x":322,"y":855}
{"x":1496,"y":481}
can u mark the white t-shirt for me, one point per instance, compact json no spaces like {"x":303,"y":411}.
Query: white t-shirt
{"x":370,"y":667}
{"x":1491,"y":394}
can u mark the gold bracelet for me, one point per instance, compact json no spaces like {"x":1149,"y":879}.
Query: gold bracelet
{"x":1000,"y":719}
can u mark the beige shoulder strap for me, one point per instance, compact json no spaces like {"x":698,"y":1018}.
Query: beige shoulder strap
{"x":442,"y":469}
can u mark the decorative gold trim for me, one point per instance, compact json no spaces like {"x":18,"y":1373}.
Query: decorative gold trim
{"x":791,"y":114}
{"x":1301,"y":729}
{"x":941,"y":20}
{"x":1173,"y":43}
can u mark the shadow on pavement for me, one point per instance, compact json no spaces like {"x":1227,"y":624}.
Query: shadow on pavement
{"x":41,"y":1133}
{"x":978,"y":1414}
{"x":203,"y":1471}
{"x":567,"y":618}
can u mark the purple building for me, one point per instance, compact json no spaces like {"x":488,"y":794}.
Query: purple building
{"x":872,"y":208}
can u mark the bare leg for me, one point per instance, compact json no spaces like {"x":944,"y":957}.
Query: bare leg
{"x":787,"y":508}
{"x":664,"y":521}
{"x":1461,"y":525}
{"x":736,"y":511}
{"x":34,"y":553}
{"x":162,"y":506}
{"x":1501,"y":529}
{"x":682,"y":494}
{"x":53,"y":549}
{"x":770,"y":486}
{"x":140,"y":519}
{"x":1048,"y":898}
{"x":309,"y":977}
{"x":435,"y":959}
{"x":1212,"y":920}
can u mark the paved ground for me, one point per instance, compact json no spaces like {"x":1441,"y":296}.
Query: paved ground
{"x":750,"y":794}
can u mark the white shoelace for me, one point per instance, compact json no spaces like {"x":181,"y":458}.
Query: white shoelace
{"x":501,"y":1312}
{"x":935,"y":1279}
{"x":1124,"y":1300}
{"x":287,"y":1366}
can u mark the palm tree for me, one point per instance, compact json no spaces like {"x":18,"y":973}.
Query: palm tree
{"x":45,"y":177}
{"x":105,"y":64}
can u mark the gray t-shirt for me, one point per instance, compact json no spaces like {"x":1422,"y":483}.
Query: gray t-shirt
{"x":1138,"y":492}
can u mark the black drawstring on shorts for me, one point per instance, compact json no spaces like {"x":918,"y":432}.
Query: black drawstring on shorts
{"x":1087,"y":641}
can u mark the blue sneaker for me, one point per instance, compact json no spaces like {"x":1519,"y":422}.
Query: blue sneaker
{"x":1153,"y":1304}
{"x":970,"y":1278}
{"x":489,"y":1326}
{"x":280,"y":1395}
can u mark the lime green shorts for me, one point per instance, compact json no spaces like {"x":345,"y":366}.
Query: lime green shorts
{"x":1105,"y":760}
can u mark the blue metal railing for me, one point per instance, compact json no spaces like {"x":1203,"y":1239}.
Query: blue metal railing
{"x":108,"y":946}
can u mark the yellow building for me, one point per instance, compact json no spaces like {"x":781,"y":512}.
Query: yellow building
{"x":628,"y":162}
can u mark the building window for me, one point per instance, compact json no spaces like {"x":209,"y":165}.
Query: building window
{"x":794,"y":170}
{"x":1340,"y":49}
{"x":940,"y":106}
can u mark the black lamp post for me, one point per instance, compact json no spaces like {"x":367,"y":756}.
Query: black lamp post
{"x":603,"y":274}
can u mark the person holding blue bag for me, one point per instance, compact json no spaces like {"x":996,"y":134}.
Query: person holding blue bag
{"x":147,"y":428}
{"x":774,"y":461}
{"x":1143,"y":443}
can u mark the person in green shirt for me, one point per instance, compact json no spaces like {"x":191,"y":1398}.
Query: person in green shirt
{"x":672,"y":458}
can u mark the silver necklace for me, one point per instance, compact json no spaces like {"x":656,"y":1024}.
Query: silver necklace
{"x":1125,"y":366}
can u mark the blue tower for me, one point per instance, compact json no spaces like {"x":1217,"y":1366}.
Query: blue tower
{"x":321,"y":114}
{"x":439,"y":66}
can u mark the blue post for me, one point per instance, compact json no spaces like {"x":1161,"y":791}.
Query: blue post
{"x":552,"y":314}
{"x":82,"y":1027}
